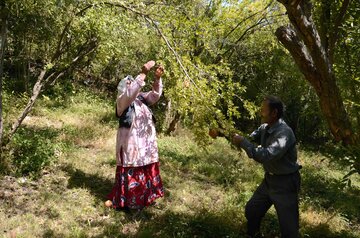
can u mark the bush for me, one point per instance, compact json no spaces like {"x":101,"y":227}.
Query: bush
{"x":32,"y":150}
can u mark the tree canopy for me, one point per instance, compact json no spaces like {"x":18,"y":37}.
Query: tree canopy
{"x":221,"y":58}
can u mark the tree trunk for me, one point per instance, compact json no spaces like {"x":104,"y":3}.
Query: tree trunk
{"x":354,"y":92}
{"x":173,"y":123}
{"x":2,"y":52}
{"x":36,"y":91}
{"x":44,"y":78}
{"x":83,"y":50}
{"x":312,"y":57}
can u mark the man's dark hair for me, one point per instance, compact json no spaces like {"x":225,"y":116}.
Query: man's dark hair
{"x":275,"y":103}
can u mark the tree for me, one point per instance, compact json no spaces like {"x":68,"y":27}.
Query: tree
{"x":3,"y":13}
{"x":62,"y":60}
{"x":313,"y":52}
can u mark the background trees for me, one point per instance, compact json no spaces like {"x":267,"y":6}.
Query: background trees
{"x":222,"y":58}
{"x":61,"y":60}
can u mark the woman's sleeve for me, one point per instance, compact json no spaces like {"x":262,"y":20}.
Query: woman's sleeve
{"x":130,"y":94}
{"x":154,"y":95}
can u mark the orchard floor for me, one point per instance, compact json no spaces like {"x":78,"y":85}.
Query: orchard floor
{"x":205,"y":190}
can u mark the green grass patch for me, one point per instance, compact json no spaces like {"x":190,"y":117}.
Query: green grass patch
{"x":71,"y":146}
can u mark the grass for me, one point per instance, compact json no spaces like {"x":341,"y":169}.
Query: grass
{"x":205,"y":190}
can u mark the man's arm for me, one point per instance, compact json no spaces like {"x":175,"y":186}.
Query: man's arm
{"x":256,"y":135}
{"x":279,"y":146}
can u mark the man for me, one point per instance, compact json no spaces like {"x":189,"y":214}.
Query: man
{"x":278,"y":155}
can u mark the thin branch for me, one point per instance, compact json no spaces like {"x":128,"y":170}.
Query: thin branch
{"x":177,"y":57}
{"x":155,"y":24}
{"x":59,"y":49}
{"x":2,"y":53}
{"x":75,"y":60}
{"x":338,"y":21}
{"x":42,"y":80}
{"x":243,"y":36}
{"x":245,"y":19}
{"x":125,"y":8}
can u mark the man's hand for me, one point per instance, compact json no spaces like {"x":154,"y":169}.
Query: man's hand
{"x":159,"y":71}
{"x":237,"y":139}
{"x":213,"y":133}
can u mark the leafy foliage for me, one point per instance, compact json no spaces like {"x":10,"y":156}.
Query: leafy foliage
{"x":32,"y":150}
{"x":221,"y":58}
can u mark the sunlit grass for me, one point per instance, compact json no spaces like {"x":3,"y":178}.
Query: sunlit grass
{"x":206,"y":189}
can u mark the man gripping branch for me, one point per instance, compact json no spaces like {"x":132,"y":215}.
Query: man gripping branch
{"x":276,"y":151}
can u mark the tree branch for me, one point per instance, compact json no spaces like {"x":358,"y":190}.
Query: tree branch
{"x":59,"y":50}
{"x":338,"y":21}
{"x":2,"y":53}
{"x":243,"y":36}
{"x":325,"y":23}
{"x":289,"y":38}
{"x":243,"y":20}
{"x":301,"y":19}
{"x":177,"y":57}
{"x":41,"y":81}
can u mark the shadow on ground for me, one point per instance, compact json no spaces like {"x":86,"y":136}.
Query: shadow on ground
{"x":97,"y":185}
{"x":329,"y":194}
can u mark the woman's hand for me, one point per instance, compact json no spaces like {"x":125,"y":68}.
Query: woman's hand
{"x":147,"y":67}
{"x":159,"y":71}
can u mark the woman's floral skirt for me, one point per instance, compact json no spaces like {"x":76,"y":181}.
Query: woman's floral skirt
{"x":136,"y":187}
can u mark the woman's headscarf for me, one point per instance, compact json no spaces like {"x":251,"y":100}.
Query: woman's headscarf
{"x":123,"y":84}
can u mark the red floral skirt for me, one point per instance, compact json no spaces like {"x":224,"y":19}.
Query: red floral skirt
{"x":136,"y":187}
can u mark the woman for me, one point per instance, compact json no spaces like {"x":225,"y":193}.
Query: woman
{"x":138,"y":182}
